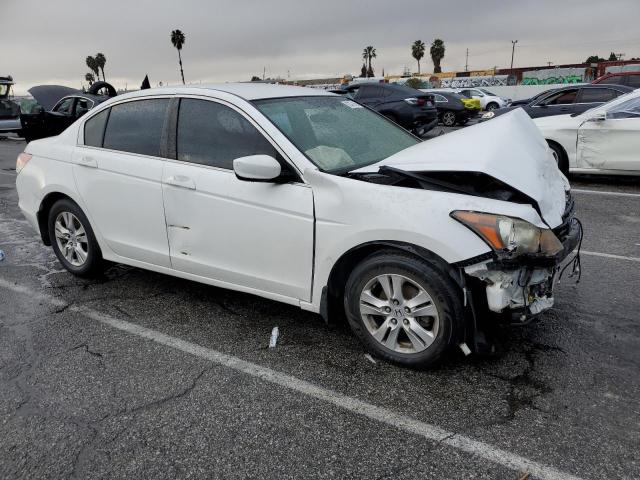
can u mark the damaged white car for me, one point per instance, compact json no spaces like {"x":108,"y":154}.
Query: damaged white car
{"x":301,"y":196}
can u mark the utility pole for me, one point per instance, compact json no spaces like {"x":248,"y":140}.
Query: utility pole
{"x":549,"y":64}
{"x":619,"y":56}
{"x":264,"y":71}
{"x":466,"y":62}
{"x":513,"y":49}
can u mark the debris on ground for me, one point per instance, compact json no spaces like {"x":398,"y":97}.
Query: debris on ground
{"x":370,"y":358}
{"x":523,"y":476}
{"x":275,"y":333}
{"x":2,"y":255}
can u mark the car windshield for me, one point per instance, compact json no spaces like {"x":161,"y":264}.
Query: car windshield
{"x":337,"y":135}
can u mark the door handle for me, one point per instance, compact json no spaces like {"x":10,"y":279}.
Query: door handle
{"x":87,"y":161}
{"x":180,"y":181}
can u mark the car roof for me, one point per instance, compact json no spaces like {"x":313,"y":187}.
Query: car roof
{"x":247,"y":91}
{"x":588,"y":86}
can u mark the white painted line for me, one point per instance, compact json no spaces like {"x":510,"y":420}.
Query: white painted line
{"x":353,"y":405}
{"x":609,"y":255}
{"x":600,"y":192}
{"x":11,"y":174}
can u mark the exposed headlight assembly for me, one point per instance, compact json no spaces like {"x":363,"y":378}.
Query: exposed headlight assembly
{"x":511,"y":235}
{"x":489,"y":115}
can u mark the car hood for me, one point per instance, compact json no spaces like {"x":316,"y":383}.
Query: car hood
{"x":509,"y":148}
{"x":48,"y":95}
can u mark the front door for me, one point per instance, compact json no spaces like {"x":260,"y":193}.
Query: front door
{"x":118,"y":172}
{"x":251,"y":235}
{"x":558,"y":103}
{"x":613,"y":143}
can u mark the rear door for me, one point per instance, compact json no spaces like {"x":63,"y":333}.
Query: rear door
{"x":118,"y":173}
{"x":614,"y":143}
{"x":250,"y":235}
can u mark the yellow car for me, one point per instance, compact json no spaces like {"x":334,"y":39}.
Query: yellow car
{"x":472,"y":104}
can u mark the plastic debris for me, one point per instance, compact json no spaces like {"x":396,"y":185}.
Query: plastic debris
{"x":2,"y":255}
{"x":275,"y":333}
{"x":370,"y":358}
{"x":465,"y":349}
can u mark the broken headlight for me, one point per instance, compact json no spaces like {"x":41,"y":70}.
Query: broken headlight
{"x":512,"y":235}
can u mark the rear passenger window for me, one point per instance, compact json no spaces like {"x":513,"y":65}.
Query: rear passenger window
{"x":633,"y":81}
{"x":212,"y":134}
{"x":595,"y":95}
{"x":136,"y":127}
{"x":94,"y":129}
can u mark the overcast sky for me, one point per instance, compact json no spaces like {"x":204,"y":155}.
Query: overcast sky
{"x":47,"y":41}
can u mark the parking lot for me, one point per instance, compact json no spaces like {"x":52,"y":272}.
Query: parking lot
{"x":141,"y":375}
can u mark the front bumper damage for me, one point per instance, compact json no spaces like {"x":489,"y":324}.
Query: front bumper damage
{"x":519,"y":289}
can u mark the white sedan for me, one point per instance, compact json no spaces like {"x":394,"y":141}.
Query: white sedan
{"x":603,"y":140}
{"x":303,"y":197}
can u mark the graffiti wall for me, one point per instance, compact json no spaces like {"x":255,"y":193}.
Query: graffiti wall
{"x":557,"y":75}
{"x":474,"y":81}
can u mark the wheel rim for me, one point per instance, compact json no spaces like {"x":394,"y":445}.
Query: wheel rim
{"x":448,"y":119}
{"x":71,"y":238}
{"x":399,"y":314}
{"x":555,"y":156}
{"x":491,"y":107}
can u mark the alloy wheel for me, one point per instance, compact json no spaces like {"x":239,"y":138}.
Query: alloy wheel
{"x":449,"y":119}
{"x":71,"y":238}
{"x":399,"y":313}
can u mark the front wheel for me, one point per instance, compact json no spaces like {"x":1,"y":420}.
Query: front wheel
{"x":403,"y":309}
{"x":73,"y":240}
{"x":560,"y":157}
{"x":492,"y":106}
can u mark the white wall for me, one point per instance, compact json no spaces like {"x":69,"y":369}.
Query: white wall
{"x":519,"y":92}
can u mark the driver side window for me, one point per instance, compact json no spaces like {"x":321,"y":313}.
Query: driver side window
{"x":628,"y":109}
{"x":64,"y":106}
{"x":564,"y":97}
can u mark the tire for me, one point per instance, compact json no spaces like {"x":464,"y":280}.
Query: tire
{"x":442,"y":328}
{"x":561,"y":157}
{"x":463,"y":121}
{"x":448,"y":119}
{"x":492,"y":106}
{"x":72,"y":219}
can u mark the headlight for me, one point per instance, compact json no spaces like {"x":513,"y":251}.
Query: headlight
{"x":506,"y":234}
{"x":489,"y":115}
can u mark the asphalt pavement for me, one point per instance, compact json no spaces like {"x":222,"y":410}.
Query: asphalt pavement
{"x":141,"y":375}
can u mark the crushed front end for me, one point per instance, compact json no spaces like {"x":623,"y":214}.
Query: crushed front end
{"x":515,"y":283}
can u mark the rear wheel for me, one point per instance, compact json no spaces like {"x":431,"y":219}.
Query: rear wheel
{"x":492,"y":106}
{"x":448,"y":119}
{"x":403,"y":309}
{"x":73,"y":240}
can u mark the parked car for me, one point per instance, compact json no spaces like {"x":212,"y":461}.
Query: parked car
{"x":488,"y":101}
{"x":308,"y":198}
{"x":9,"y":110}
{"x":406,"y":106}
{"x":630,"y":79}
{"x":453,"y":109}
{"x":59,"y":107}
{"x":603,"y":140}
{"x":566,"y":100}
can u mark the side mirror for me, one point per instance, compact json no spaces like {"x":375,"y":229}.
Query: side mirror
{"x":598,"y":117}
{"x":257,"y":168}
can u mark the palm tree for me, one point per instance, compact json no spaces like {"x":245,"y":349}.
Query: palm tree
{"x":101,"y":60}
{"x":417,"y":51}
{"x":89,"y":78}
{"x":437,"y":54}
{"x":367,"y":54}
{"x":178,"y":39}
{"x":93,"y":66}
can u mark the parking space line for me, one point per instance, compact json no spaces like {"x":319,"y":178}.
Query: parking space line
{"x":599,"y":192}
{"x":609,"y":255}
{"x":430,"y":432}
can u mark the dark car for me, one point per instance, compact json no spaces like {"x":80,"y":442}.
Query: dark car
{"x":629,"y":79}
{"x":408,"y":107}
{"x":58,"y":107}
{"x":567,"y":100}
{"x":451,"y":109}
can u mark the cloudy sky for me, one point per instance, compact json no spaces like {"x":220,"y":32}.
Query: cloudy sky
{"x":47,"y":41}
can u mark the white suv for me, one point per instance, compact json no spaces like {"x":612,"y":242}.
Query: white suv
{"x":488,"y":100}
{"x":308,"y":198}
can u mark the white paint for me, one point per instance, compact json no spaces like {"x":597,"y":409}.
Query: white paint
{"x":609,"y":255}
{"x":359,"y":407}
{"x":600,"y":192}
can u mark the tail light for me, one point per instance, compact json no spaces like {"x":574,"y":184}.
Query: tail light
{"x":420,"y":101}
{"x":22,"y":161}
